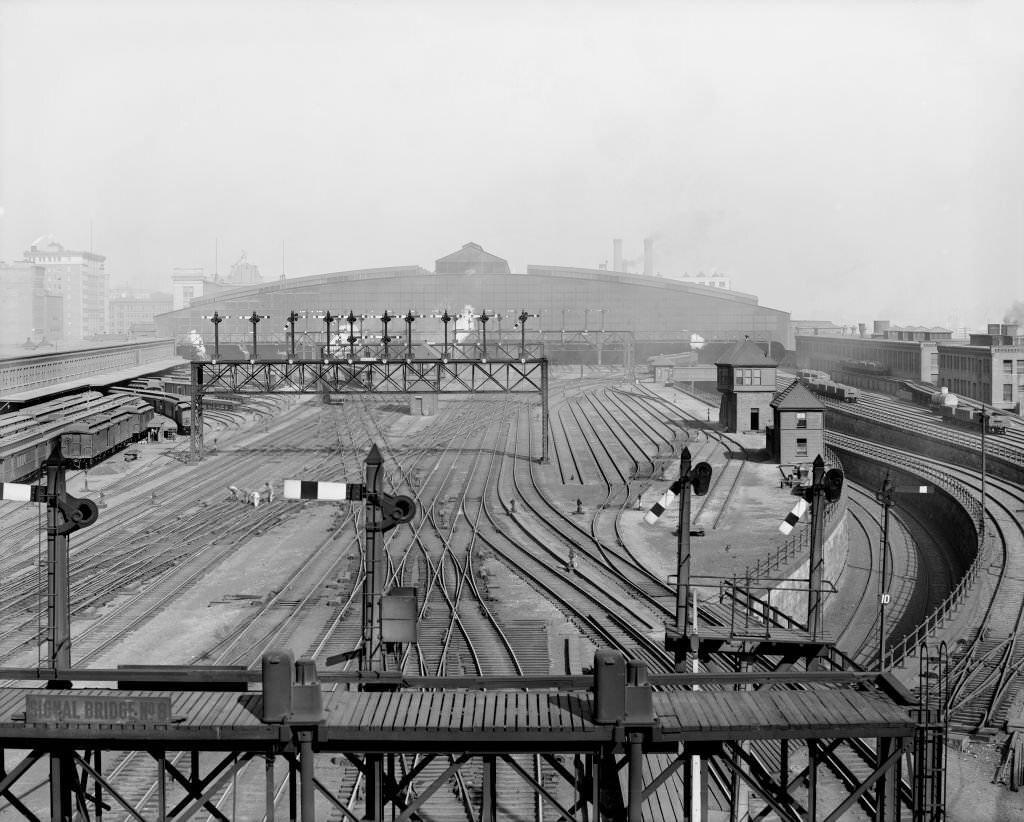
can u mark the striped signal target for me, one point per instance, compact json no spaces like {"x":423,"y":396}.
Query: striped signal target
{"x":793,"y":517}
{"x":662,"y":504}
{"x":331,"y":491}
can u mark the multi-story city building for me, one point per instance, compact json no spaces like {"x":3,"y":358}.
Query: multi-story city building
{"x":80,"y":279}
{"x":131,"y":309}
{"x":990,"y":368}
{"x":27,"y":312}
{"x":188,"y":284}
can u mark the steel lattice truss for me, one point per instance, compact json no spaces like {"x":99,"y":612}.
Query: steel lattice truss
{"x":399,"y":377}
{"x":433,"y":376}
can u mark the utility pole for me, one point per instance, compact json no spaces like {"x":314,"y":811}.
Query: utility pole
{"x":886,"y":496}
{"x":984,"y":452}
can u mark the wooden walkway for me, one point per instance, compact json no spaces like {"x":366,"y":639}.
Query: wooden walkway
{"x":453,"y":720}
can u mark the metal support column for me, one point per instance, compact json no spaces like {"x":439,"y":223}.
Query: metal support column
{"x":812,"y":780}
{"x":293,"y":799}
{"x":683,"y":548}
{"x":374,"y":788}
{"x":196,"y":414}
{"x":269,"y":795}
{"x":98,"y":792}
{"x":635,"y":800}
{"x":64,"y":514}
{"x":373,"y":585}
{"x":489,"y":790}
{"x":161,"y":786}
{"x":307,"y":804}
{"x":887,"y":797}
{"x":544,"y":421}
{"x":817,"y":559}
{"x":58,"y":584}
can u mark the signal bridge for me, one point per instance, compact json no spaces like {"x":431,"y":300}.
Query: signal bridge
{"x":417,"y":376}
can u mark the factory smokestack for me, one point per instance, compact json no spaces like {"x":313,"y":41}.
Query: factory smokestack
{"x":616,"y":255}
{"x":649,"y":256}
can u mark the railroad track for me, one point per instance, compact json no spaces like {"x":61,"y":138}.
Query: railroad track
{"x":469,"y":463}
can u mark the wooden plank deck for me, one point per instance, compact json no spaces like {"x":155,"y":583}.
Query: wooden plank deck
{"x":462,"y":720}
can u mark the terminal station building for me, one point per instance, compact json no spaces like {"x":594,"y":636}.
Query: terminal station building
{"x":660,"y":314}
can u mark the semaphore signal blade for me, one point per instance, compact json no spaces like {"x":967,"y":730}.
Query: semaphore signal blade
{"x":662,"y":504}
{"x":312,"y":489}
{"x":15,"y":492}
{"x":793,"y":517}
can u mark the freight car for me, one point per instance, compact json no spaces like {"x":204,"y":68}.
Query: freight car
{"x":21,"y":458}
{"x":835,"y":390}
{"x":970,"y":418}
{"x":866,"y":367}
{"x":806,"y":375}
{"x":173,"y":407}
{"x":118,"y":422}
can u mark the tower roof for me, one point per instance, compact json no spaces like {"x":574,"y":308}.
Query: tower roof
{"x":796,"y":397}
{"x":471,"y":259}
{"x":746,"y":353}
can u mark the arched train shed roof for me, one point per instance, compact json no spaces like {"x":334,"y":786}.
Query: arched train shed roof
{"x":650,"y":307}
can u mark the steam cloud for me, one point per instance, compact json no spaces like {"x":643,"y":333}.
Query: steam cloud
{"x":1015,"y":314}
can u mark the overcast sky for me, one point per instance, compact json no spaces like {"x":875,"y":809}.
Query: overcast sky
{"x":841,"y":160}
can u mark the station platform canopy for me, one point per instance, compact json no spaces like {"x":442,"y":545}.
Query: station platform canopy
{"x":102,"y":380}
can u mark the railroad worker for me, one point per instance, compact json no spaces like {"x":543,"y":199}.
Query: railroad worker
{"x":269,"y":493}
{"x":579,"y":506}
{"x":233,"y":490}
{"x":512,"y":506}
{"x":153,"y":497}
{"x":255,"y":499}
